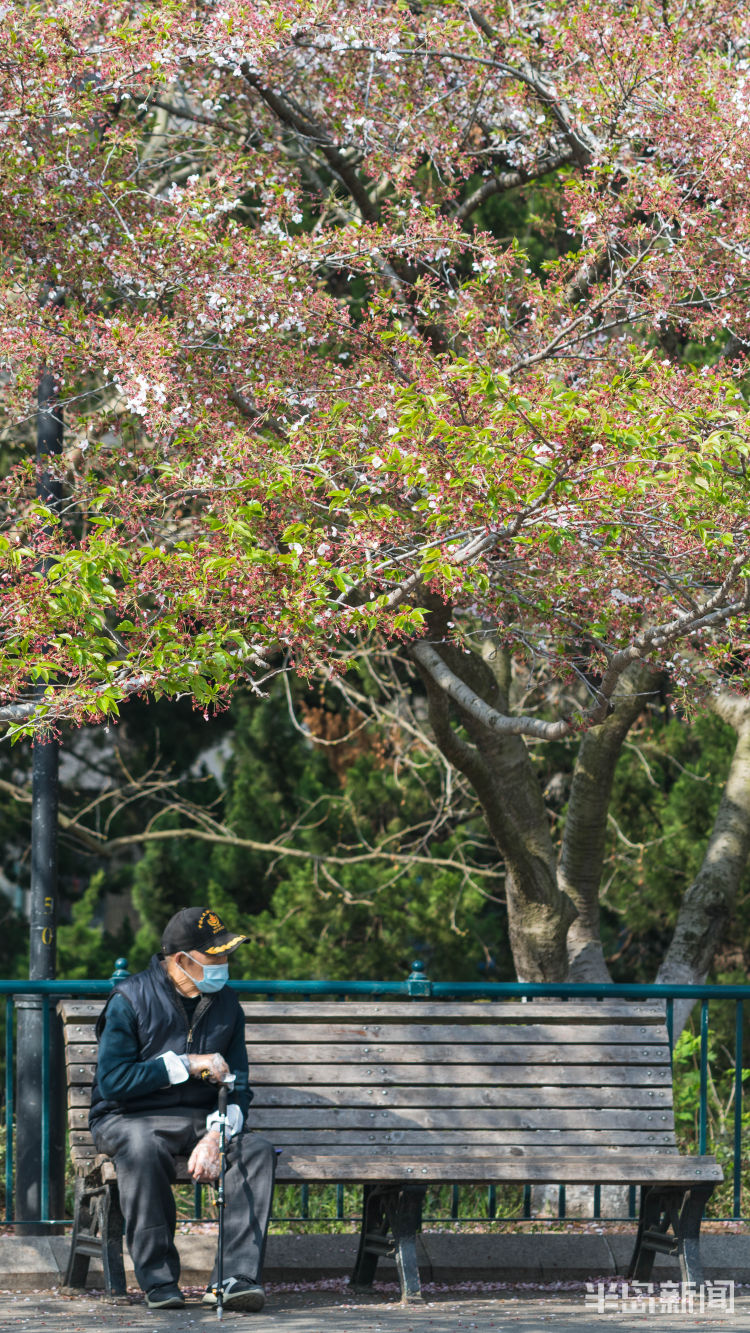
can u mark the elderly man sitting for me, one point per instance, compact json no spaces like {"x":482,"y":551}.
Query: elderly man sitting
{"x":167,"y":1038}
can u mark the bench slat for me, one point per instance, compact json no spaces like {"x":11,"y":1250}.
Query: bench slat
{"x":444,"y":1011}
{"x":457,"y":1118}
{"x":607,"y":1168}
{"x":535,"y":1138}
{"x":449,"y":1011}
{"x":433,"y":1054}
{"x":610,"y":1166}
{"x":420,"y":1034}
{"x":85,"y":1152}
{"x":428,"y":1095}
{"x":468,"y":1053}
{"x":455,"y":1138}
{"x":529,"y":1075}
{"x":648,"y":1098}
{"x":392,"y":1075}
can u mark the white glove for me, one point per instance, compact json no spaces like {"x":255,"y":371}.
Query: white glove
{"x":213,"y":1067}
{"x":204,"y":1164}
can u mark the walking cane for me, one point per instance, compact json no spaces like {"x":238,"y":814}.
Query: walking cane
{"x":223,"y":1090}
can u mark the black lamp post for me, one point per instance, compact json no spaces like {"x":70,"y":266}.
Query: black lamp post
{"x":40,"y":1174}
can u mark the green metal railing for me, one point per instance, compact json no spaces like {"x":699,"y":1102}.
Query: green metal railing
{"x":416,"y":987}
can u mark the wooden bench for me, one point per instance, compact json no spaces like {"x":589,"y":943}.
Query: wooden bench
{"x":396,"y":1095}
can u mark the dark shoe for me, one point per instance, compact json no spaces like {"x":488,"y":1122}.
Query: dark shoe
{"x":166,"y":1297}
{"x":239,"y":1294}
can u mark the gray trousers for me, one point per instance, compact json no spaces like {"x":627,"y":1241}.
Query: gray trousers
{"x":144,"y":1148}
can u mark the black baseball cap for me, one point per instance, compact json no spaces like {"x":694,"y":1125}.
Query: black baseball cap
{"x":199,"y":928}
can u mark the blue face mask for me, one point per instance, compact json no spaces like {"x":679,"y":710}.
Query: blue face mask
{"x":215,"y":975}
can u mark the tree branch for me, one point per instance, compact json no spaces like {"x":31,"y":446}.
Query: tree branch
{"x":583,"y":143}
{"x":185,"y":113}
{"x":108,"y":846}
{"x":464,"y":757}
{"x":510,"y":180}
{"x":433,"y":666}
{"x":588,"y":274}
{"x":309,"y":129}
{"x":478,"y":17}
{"x":23,"y":795}
{"x":64,"y":706}
{"x":254,"y":414}
{"x":715,"y":610}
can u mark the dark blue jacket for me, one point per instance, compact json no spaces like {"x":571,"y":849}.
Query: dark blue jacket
{"x":143,"y":1018}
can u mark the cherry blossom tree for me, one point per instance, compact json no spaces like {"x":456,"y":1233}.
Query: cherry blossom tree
{"x":313,"y":405}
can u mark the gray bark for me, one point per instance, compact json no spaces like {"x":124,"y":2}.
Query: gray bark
{"x":707,"y":906}
{"x":500,"y":769}
{"x":585,"y":835}
{"x":553,"y":908}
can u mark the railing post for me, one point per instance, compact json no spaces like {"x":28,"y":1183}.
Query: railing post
{"x":39,"y":1116}
{"x":737,"y":1164}
{"x":703,"y":1107}
{"x":9,"y":1101}
{"x":121,"y":971}
{"x":417,"y":983}
{"x":46,"y":1112}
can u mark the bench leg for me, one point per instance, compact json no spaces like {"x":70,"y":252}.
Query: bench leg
{"x":80,"y":1255}
{"x":404,"y":1208}
{"x":97,"y":1233}
{"x":391,"y":1218}
{"x":665,"y":1211}
{"x":691,"y":1216}
{"x":111,"y":1232}
{"x":373,"y":1238}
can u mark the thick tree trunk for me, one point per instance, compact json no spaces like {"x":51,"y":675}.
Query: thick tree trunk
{"x":707,"y":905}
{"x":553,"y":908}
{"x":585,"y":834}
{"x":501,"y":772}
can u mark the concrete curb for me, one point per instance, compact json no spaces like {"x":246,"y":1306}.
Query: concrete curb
{"x":38,"y":1262}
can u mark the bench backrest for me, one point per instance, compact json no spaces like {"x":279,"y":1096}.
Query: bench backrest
{"x":411,"y":1077}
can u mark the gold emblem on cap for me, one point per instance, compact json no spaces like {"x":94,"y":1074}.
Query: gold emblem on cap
{"x":211,"y":920}
{"x":224,"y":948}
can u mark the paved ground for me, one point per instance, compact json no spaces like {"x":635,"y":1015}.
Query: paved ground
{"x":335,"y":1311}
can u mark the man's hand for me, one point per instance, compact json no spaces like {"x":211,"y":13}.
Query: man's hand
{"x":204,"y":1164}
{"x":212,"y":1066}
